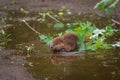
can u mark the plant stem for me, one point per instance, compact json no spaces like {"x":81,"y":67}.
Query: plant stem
{"x":115,"y":21}
{"x":54,"y":18}
{"x":31,"y":27}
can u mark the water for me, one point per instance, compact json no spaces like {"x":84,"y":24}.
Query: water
{"x":43,"y":64}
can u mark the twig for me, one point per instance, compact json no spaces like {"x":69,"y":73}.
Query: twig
{"x":115,"y":21}
{"x":54,"y":18}
{"x":31,"y":27}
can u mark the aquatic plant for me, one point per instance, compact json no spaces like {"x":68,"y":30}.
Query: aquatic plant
{"x":90,"y":37}
{"x":58,"y":25}
{"x":4,"y":38}
{"x":47,"y":39}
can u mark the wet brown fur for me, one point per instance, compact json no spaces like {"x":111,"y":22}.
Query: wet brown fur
{"x":67,"y":42}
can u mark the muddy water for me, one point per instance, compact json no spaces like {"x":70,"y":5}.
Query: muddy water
{"x":43,"y":64}
{"x":74,"y":68}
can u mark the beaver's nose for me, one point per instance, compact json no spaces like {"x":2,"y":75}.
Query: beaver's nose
{"x":52,"y":47}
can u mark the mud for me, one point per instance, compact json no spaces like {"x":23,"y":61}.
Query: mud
{"x":11,"y":66}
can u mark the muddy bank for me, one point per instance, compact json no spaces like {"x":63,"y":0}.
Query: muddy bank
{"x":11,"y":66}
{"x":75,"y":6}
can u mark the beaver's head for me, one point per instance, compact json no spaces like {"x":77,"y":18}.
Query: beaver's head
{"x":57,"y":44}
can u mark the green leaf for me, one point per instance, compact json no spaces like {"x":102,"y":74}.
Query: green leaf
{"x":107,"y":2}
{"x":42,"y":37}
{"x":82,"y":47}
{"x":69,"y":31}
{"x":110,"y":8}
{"x":60,"y":34}
{"x":47,"y":39}
{"x":106,"y":5}
{"x":91,"y":47}
{"x":58,"y":25}
{"x":101,"y":5}
{"x":108,"y":28}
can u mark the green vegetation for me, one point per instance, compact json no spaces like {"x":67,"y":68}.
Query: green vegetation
{"x":90,"y":37}
{"x":107,"y":5}
{"x":13,"y":2}
{"x":43,"y":15}
{"x":47,"y":39}
{"x":4,"y":38}
{"x":58,"y":25}
{"x":29,"y":48}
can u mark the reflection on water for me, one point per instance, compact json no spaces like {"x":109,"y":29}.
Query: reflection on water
{"x":55,"y":66}
{"x":59,"y":58}
{"x":99,"y":65}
